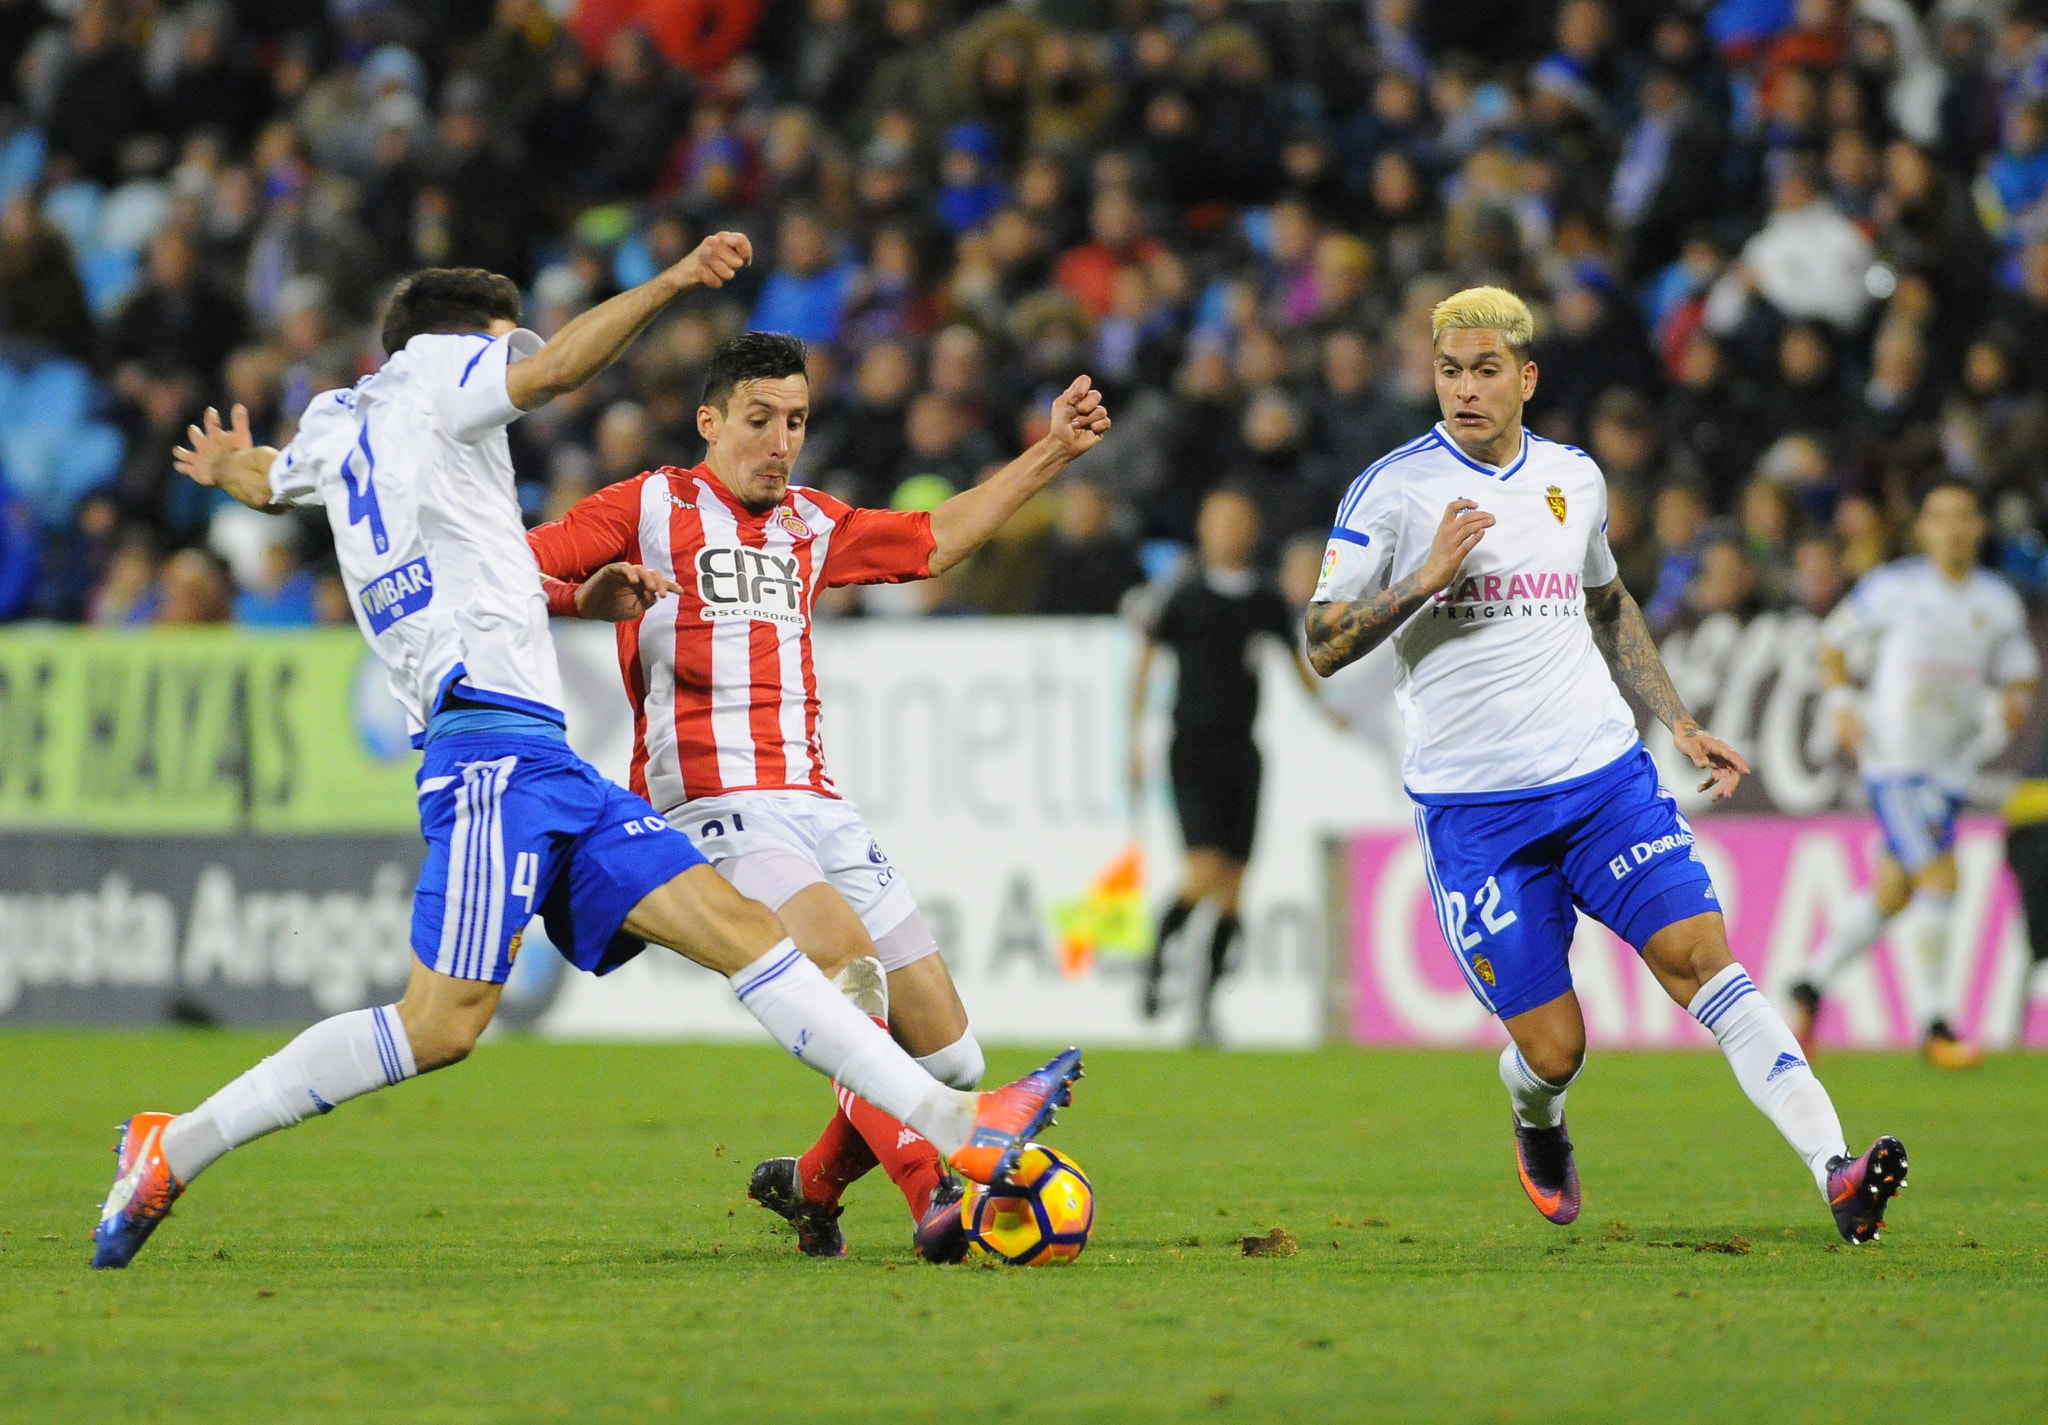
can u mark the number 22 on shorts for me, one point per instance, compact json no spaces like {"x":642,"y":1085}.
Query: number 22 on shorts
{"x":1488,"y":903}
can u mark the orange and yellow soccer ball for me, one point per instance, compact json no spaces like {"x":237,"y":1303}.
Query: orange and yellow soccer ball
{"x":1044,"y":1213}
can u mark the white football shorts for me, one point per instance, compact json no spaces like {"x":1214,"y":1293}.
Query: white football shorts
{"x":770,"y":845}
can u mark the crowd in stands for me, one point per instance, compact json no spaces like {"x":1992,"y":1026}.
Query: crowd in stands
{"x":1789,"y":260}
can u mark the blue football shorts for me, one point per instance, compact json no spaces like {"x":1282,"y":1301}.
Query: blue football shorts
{"x":1918,"y":816}
{"x":516,"y":826}
{"x":1507,"y":874}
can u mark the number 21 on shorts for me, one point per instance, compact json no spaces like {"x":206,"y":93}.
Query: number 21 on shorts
{"x":1487,"y":901}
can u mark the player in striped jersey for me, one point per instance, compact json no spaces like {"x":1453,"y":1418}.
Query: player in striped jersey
{"x":725,"y":718}
{"x":413,"y":469}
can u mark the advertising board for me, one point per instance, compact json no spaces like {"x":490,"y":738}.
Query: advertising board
{"x":1780,"y":879}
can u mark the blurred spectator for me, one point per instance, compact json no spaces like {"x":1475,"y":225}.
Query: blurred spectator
{"x":98,"y":102}
{"x":1117,"y":241}
{"x":1807,"y":261}
{"x":177,"y":318}
{"x":1679,"y":522}
{"x":1713,"y":418}
{"x":1862,"y":536}
{"x":194,"y":590}
{"x":807,"y":292}
{"x":1089,"y":566}
{"x":1351,"y":424}
{"x":1770,"y":525}
{"x":41,"y":300}
{"x":1818,"y":579}
{"x":1723,"y":582}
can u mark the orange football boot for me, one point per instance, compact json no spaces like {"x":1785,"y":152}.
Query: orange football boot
{"x":1009,"y":1118}
{"x":144,"y":1189}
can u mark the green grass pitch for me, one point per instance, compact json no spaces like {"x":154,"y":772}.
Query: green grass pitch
{"x":559,"y":1233}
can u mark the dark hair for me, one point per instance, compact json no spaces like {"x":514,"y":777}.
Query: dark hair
{"x":447,"y":299}
{"x":751,"y":356}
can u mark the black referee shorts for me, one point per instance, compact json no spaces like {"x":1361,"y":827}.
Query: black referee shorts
{"x":1216,"y":792}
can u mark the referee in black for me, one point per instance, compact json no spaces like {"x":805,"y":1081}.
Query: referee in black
{"x":1210,"y":621}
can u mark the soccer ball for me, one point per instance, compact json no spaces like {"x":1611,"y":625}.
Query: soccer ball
{"x":1044,"y":1213}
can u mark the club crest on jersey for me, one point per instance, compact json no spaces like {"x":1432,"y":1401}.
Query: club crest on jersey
{"x":793,"y":522}
{"x":1554,"y":498}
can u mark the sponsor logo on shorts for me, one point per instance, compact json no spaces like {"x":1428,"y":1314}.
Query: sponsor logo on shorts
{"x":1642,"y":851}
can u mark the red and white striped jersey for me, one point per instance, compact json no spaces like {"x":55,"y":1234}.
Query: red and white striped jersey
{"x":724,"y":693}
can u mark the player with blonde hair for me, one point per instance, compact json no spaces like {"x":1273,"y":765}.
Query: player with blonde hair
{"x":1481,"y":550}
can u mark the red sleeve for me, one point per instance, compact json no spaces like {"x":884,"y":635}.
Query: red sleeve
{"x":599,"y":529}
{"x":879,"y":547}
{"x":561,"y":598}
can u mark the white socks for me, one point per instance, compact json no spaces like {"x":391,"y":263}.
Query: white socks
{"x":336,"y":1060}
{"x":1538,"y":1102}
{"x":959,"y":1064}
{"x":1923,"y":932}
{"x":1854,"y":930}
{"x":804,"y":1013}
{"x":1770,"y":1068}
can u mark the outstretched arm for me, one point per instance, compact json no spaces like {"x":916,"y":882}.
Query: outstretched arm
{"x":229,"y":459}
{"x":964,"y":523}
{"x":1624,"y":641}
{"x":588,"y":343}
{"x":1342,"y":633}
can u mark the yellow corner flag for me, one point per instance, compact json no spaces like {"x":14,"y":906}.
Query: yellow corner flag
{"x":1109,"y":919}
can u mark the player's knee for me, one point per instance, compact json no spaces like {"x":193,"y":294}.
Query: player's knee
{"x":1938,"y":875}
{"x":441,"y":1039}
{"x":1554,"y":1063}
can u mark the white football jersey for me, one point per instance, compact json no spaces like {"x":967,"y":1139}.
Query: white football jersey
{"x":1500,"y":686}
{"x":414,"y":470}
{"x":1935,"y":650}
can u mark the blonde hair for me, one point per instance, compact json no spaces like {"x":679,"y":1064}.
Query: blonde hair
{"x":1485,"y":309}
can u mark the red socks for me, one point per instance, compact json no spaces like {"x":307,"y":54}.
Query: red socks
{"x":860,"y":1136}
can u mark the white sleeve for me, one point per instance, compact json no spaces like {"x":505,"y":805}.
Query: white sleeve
{"x":474,"y":399}
{"x":328,"y":424}
{"x":2015,"y":660}
{"x":1362,"y":542}
{"x":1601,"y":570}
{"x":1858,"y":615}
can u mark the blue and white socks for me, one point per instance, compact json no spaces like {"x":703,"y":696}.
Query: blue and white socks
{"x":1538,"y":1102}
{"x":1767,"y":1063}
{"x":807,"y":1015}
{"x":336,"y":1060}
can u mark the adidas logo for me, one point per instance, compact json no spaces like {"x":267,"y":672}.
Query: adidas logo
{"x":1785,"y":1065}
{"x":908,"y":1136}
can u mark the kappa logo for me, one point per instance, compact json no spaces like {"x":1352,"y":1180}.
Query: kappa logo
{"x":793,"y":522}
{"x":1483,"y":967}
{"x":679,"y":502}
{"x":1785,"y":1065}
{"x":1554,"y":498}
{"x":908,"y":1136}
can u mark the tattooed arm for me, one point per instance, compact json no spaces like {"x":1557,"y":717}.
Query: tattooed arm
{"x":1624,"y":641}
{"x":1343,"y":633}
